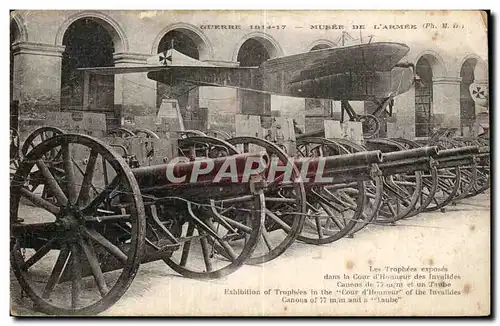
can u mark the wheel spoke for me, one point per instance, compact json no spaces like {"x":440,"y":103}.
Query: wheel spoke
{"x":57,"y":272}
{"x":83,"y":197}
{"x":70,"y":173}
{"x":99,"y":199}
{"x":76,"y":282}
{"x":106,"y":244}
{"x":274,"y":217}
{"x":187,"y":245}
{"x":88,"y":250}
{"x":39,"y":254}
{"x":206,"y":252}
{"x":52,"y":183}
{"x":40,"y":202}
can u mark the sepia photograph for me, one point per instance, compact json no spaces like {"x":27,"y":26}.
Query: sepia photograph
{"x":250,"y":163}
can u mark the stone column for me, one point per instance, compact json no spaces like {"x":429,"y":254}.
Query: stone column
{"x":446,"y":102}
{"x":37,"y":78}
{"x":135,"y":94}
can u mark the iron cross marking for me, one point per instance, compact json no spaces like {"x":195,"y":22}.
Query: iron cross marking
{"x":164,"y":58}
{"x":478,"y":92}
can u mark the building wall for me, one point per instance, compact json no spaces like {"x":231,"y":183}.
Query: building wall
{"x":38,"y":49}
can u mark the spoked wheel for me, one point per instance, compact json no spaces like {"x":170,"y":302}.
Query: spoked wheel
{"x":218,"y":134}
{"x":371,"y":125}
{"x":215,"y":238}
{"x":374,"y":189}
{"x":121,"y":132}
{"x":333,"y":209}
{"x":67,"y":255}
{"x":38,"y":136}
{"x":205,"y":146}
{"x":192,"y":133}
{"x":285,"y":202}
{"x":449,"y":180}
{"x":429,"y":180}
{"x":146,"y":133}
{"x":401,"y":191}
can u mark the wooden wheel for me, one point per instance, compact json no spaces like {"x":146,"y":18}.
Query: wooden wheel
{"x":374,"y":189}
{"x":67,"y":255}
{"x":333,"y":209}
{"x":38,"y":136}
{"x":215,"y":236}
{"x":285,"y":203}
{"x":429,"y":180}
{"x":146,"y":133}
{"x":121,"y":132}
{"x":401,"y":191}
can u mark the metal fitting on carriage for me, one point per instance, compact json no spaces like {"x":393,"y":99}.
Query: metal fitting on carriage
{"x":375,"y":171}
{"x":257,"y":184}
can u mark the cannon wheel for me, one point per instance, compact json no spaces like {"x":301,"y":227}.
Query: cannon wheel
{"x":330,"y":203}
{"x":401,"y":191}
{"x":429,"y":180}
{"x":285,"y":206}
{"x":449,"y":180}
{"x":121,"y":132}
{"x":146,"y":133}
{"x":59,"y":254}
{"x":38,"y":136}
{"x":374,"y":189}
{"x":223,"y":256}
{"x":218,"y":133}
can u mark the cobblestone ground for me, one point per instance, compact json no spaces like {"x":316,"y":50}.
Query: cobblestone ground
{"x":457,"y":238}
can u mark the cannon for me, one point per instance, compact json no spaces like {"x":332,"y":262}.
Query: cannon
{"x":106,"y":219}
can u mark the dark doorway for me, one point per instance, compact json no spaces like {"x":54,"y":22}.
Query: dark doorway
{"x":423,"y":98}
{"x":467,"y":106}
{"x":251,"y":54}
{"x":88,"y":44}
{"x":186,"y":95}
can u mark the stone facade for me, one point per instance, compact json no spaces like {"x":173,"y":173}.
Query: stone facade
{"x":38,"y":46}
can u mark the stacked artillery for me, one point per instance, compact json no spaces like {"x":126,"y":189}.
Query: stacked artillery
{"x":85,"y":213}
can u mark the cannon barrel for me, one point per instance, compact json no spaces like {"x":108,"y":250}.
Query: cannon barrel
{"x":336,"y":169}
{"x":459,"y":151}
{"x":427,"y":151}
{"x":218,"y":173}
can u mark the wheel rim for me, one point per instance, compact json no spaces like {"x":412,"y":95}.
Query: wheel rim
{"x":77,"y":279}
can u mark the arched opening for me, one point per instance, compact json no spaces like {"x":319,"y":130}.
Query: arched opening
{"x":253,"y":53}
{"x":467,"y":106}
{"x":186,"y":42}
{"x":423,"y":98}
{"x":88,"y":44}
{"x":319,"y":107}
{"x":15,"y":35}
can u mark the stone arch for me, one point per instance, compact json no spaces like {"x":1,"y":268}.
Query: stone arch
{"x":270,"y":44}
{"x":88,"y":43}
{"x":204,"y":45}
{"x":436,"y":62}
{"x":480,"y":67}
{"x":21,"y":32}
{"x":320,"y":44}
{"x":253,"y":50}
{"x":120,"y":40}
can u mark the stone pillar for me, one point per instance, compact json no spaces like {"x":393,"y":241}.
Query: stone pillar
{"x":135,"y":94}
{"x":402,"y":122}
{"x":222,"y":105}
{"x":37,"y":78}
{"x":290,"y":107}
{"x":446,"y":102}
